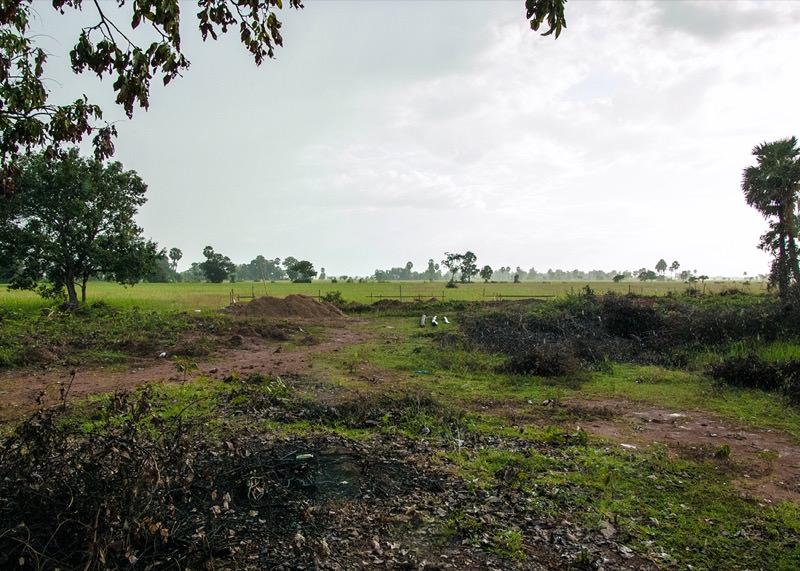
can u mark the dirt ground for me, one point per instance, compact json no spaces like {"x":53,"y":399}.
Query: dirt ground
{"x":765,"y":464}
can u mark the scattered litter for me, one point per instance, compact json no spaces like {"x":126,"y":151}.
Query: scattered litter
{"x":628,"y":446}
{"x":304,"y":457}
{"x":420,"y":372}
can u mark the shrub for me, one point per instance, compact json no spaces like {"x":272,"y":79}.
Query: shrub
{"x":755,"y":373}
{"x":549,"y":360}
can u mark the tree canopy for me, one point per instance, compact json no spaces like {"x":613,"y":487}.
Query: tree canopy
{"x":469,"y":266}
{"x":300,"y":271}
{"x":773,"y":187}
{"x":452,"y":262}
{"x":217,"y":267}
{"x":72,"y":219}
{"x":109,"y":48}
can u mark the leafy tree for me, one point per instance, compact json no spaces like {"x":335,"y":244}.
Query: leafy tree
{"x":469,"y":266}
{"x":27,"y":117}
{"x":260,"y":268}
{"x":772,"y":188}
{"x":661,"y":266}
{"x":71,"y":219}
{"x":618,"y":278}
{"x":217,"y":268}
{"x":433,"y":270}
{"x":288,"y":263}
{"x":453,"y":263}
{"x":503,"y":273}
{"x":175,"y":256}
{"x":7,"y":270}
{"x":646,"y":275}
{"x":161,"y":272}
{"x":301,"y":271}
{"x":193,"y":274}
{"x":486,"y":273}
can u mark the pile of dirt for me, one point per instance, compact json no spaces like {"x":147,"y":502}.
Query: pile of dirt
{"x":298,"y":306}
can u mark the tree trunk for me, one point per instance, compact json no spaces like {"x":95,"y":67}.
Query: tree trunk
{"x":792,"y":245}
{"x":787,"y":263}
{"x":72,"y":294}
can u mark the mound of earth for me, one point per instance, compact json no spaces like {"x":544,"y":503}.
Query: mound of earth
{"x":296,"y":305}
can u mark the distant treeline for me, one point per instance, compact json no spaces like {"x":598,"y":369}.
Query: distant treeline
{"x":504,"y":273}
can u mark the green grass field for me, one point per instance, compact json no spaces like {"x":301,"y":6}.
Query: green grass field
{"x":208,"y":296}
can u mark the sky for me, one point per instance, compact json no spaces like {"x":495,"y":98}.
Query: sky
{"x":389,"y":131}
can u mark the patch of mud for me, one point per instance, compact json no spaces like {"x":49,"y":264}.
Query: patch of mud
{"x":763,"y":463}
{"x":292,"y":306}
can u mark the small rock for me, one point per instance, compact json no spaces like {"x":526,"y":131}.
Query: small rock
{"x":607,"y":529}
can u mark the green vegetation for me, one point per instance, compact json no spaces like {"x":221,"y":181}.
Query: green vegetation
{"x":70,"y":219}
{"x":210,"y":296}
{"x":508,"y":454}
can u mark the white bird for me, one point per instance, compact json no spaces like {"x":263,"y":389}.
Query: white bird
{"x":422,"y":320}
{"x":445,"y":319}
{"x":433,"y":321}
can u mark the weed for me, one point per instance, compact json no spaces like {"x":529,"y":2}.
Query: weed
{"x":508,"y":543}
{"x":184,"y":366}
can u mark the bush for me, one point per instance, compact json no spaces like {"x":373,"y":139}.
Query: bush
{"x":755,"y":373}
{"x":334,"y":297}
{"x":585,"y":329}
{"x":550,"y":360}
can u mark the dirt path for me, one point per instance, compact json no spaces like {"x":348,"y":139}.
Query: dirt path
{"x":21,"y":390}
{"x":765,"y":464}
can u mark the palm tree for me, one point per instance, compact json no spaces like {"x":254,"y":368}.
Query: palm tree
{"x":772,"y":188}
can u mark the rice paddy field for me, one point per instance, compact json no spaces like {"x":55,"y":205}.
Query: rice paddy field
{"x":208,"y":296}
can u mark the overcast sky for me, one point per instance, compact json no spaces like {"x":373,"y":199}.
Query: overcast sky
{"x":394,"y":131}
